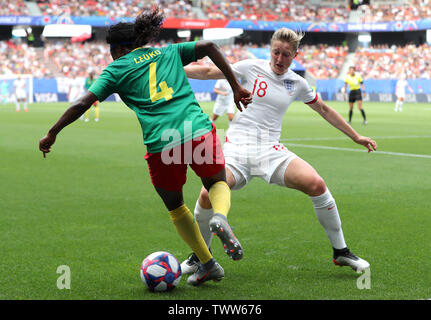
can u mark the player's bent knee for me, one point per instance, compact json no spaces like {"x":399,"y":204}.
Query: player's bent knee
{"x":316,"y":187}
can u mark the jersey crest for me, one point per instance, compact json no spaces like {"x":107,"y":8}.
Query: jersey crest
{"x":289,"y":85}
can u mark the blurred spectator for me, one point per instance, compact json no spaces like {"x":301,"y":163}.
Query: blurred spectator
{"x":13,"y":8}
{"x":80,"y":58}
{"x":115,"y":8}
{"x":409,"y":11}
{"x":265,"y":10}
{"x":322,"y":61}
{"x":59,"y":58}
{"x":19,"y":58}
{"x":273,"y":10}
{"x":384,"y":62}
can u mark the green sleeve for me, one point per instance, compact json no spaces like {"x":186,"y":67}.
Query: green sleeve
{"x":104,"y":86}
{"x":86,"y":84}
{"x":187,"y":51}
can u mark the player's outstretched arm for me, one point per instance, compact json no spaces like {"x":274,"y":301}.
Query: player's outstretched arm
{"x":76,"y":110}
{"x":203,"y":72}
{"x":344,"y":90}
{"x":221,"y":92}
{"x":334,"y":118}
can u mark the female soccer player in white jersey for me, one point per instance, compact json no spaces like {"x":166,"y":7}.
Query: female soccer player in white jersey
{"x":400,"y":92}
{"x":224,"y":101}
{"x":20,"y":86}
{"x":253,"y":147}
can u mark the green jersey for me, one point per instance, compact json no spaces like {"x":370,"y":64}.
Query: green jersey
{"x":88,"y":83}
{"x":152,"y":83}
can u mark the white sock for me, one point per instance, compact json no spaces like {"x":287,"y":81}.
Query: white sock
{"x":327,"y":214}
{"x":25,"y":106}
{"x":17,"y":106}
{"x":400,"y":106}
{"x":203,"y":217}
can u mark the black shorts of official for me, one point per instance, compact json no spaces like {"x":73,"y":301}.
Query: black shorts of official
{"x":355,"y":95}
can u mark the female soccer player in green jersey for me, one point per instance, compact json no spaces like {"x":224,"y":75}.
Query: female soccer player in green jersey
{"x":88,"y":83}
{"x":152,"y":82}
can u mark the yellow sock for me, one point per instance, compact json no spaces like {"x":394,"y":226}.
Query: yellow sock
{"x":96,"y":109}
{"x":219,"y":195}
{"x":87,"y":114}
{"x":189,"y":231}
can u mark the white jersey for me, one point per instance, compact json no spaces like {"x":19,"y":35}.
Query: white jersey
{"x":400,"y":88}
{"x":20,"y":88}
{"x":223,"y":85}
{"x":272,"y":95}
{"x":75,"y":88}
{"x":224,"y":103}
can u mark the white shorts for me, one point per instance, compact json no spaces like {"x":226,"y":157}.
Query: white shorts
{"x":21,"y":94}
{"x":74,"y":95}
{"x":221,"y":107}
{"x":400,"y":94}
{"x":268,"y":162}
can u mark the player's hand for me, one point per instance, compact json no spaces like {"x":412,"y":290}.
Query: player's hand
{"x":368,"y":143}
{"x":45,"y":143}
{"x":243,"y":96}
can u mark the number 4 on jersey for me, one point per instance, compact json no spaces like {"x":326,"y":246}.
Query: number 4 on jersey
{"x":166,"y":92}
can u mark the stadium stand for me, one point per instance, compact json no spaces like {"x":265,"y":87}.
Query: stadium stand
{"x":81,"y":58}
{"x":325,"y":54}
{"x":13,"y":8}
{"x":269,"y":10}
{"x":409,"y":11}
{"x":19,"y":58}
{"x":264,"y":10}
{"x":322,"y":61}
{"x":384,"y":62}
{"x":118,"y":8}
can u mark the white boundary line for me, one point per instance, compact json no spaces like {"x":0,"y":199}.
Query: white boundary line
{"x":347,"y":138}
{"x":360,"y":150}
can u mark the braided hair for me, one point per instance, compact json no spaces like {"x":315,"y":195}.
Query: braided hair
{"x":132,"y":35}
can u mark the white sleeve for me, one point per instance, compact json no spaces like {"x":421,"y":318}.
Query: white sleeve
{"x":305,"y":92}
{"x":240,"y":68}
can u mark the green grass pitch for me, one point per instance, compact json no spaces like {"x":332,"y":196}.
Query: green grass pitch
{"x":90,"y":205}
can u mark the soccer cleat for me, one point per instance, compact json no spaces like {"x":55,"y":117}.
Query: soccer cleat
{"x":220,"y":227}
{"x":190,"y":265}
{"x":203,"y":274}
{"x":365,"y":122}
{"x":344,"y":257}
